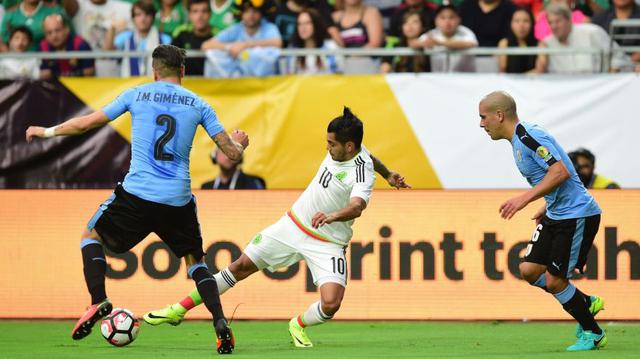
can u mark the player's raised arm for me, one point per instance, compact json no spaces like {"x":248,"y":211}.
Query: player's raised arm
{"x":74,"y":126}
{"x":393,"y":178}
{"x":233,"y":146}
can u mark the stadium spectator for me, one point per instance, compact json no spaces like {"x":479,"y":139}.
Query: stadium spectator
{"x":58,"y":38}
{"x":520,"y":35}
{"x":542,"y":29}
{"x":412,"y":29}
{"x":585,"y":163}
{"x":311,"y":33}
{"x":423,"y":7}
{"x":568,"y":36}
{"x":170,"y":15}
{"x":92,"y":19}
{"x":231,"y":175}
{"x":489,"y":20}
{"x":144,"y":37}
{"x":359,"y":25}
{"x":449,"y":34}
{"x":19,"y":42}
{"x":222,"y":15}
{"x":287,"y":12}
{"x":191,"y":36}
{"x":29,"y":13}
{"x":248,"y":48}
{"x":621,"y":10}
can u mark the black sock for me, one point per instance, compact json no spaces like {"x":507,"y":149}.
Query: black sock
{"x":208,"y":290}
{"x":579,"y":309}
{"x":95,"y":267}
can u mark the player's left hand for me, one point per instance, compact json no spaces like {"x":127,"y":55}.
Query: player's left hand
{"x":320,"y":219}
{"x":396,"y":180}
{"x":510,"y":207}
{"x":34,"y":131}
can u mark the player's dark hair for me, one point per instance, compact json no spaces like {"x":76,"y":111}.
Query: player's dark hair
{"x":168,"y":60}
{"x":146,"y":7}
{"x":195,"y":2}
{"x":347,"y":128}
{"x":23,"y":29}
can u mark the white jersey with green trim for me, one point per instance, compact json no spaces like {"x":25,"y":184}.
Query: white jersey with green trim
{"x":331,"y":190}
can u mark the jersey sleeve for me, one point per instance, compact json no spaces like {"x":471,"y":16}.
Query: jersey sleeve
{"x":543,"y":151}
{"x":365,"y":178}
{"x":210,"y":121}
{"x":120,"y":105}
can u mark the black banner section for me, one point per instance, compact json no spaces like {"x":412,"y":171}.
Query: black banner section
{"x":98,"y":159}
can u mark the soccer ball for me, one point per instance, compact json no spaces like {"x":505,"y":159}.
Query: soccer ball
{"x":120,"y":327}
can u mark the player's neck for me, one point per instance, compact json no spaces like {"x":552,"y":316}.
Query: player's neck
{"x":510,"y":129}
{"x":173,"y":79}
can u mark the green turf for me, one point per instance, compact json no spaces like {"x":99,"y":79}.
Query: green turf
{"x":194,"y":339}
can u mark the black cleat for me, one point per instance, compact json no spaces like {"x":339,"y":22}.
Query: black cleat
{"x":225,"y":342}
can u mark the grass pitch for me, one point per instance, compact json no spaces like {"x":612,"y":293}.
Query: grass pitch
{"x":195,"y":339}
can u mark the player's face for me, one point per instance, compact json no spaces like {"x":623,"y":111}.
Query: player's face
{"x":490,"y":122}
{"x":199,"y":15}
{"x":336,"y":149}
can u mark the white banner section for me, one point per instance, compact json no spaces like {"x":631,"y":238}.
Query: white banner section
{"x":600,"y":113}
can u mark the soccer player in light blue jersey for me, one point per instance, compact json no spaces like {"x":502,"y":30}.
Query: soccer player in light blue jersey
{"x":156,"y":193}
{"x":565,"y":227}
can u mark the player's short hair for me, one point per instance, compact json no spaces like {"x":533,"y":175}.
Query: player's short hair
{"x":195,"y":2}
{"x":347,"y":127}
{"x":146,"y":7}
{"x":560,"y":10}
{"x":168,"y":60}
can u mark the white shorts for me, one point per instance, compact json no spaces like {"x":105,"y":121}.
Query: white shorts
{"x":283,"y":244}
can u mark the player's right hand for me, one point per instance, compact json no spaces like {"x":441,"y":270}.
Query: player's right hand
{"x":241,"y":137}
{"x":34,"y":131}
{"x":538,"y":215}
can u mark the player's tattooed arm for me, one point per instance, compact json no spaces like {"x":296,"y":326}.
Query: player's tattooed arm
{"x":74,"y":126}
{"x":353,"y":210}
{"x":393,"y":178}
{"x":233,"y":146}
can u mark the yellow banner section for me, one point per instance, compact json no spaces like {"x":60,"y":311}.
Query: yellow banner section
{"x":414,"y":255}
{"x":286,"y":119}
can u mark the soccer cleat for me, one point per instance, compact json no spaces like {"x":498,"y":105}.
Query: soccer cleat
{"x":165,"y":315}
{"x":90,"y":317}
{"x":589,"y":341}
{"x":225,"y":342}
{"x":299,"y":335}
{"x":597,"y":304}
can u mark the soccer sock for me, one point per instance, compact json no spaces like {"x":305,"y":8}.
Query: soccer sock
{"x":541,"y":282}
{"x":574,"y":303}
{"x":208,"y":289}
{"x":95,"y":267}
{"x":313,"y":316}
{"x":225,"y":280}
{"x":189,"y":302}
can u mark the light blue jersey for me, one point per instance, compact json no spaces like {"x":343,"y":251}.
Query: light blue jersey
{"x":164,"y":120}
{"x":534,"y":150}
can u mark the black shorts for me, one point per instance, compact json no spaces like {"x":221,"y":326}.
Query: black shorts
{"x":124,"y":220}
{"x":562,"y":245}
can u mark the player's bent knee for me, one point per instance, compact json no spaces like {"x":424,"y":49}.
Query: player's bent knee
{"x":530,"y":271}
{"x":242,"y":267}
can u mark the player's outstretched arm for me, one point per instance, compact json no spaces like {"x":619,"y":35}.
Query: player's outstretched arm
{"x":393,"y":178}
{"x":556,"y":174}
{"x":233,"y":146}
{"x":353,"y":210}
{"x":74,"y":126}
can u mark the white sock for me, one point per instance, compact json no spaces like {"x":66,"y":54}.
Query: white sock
{"x":313,"y":316}
{"x":224,"y":280}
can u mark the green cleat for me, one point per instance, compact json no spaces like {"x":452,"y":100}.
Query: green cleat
{"x":589,"y":341}
{"x":170,"y":315}
{"x":299,"y":335}
{"x":597,"y":304}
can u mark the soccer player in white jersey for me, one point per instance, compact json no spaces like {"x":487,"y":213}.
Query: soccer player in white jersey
{"x":317,"y":229}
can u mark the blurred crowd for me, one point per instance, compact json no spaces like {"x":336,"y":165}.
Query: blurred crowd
{"x":245,"y":37}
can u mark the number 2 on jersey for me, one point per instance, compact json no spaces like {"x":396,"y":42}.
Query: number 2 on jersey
{"x":170,"y":122}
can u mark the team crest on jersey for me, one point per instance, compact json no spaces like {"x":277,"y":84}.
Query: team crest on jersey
{"x":257,"y":238}
{"x":544,"y":153}
{"x":341,"y":175}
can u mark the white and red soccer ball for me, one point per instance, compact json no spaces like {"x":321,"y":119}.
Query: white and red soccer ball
{"x":120,"y":327}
